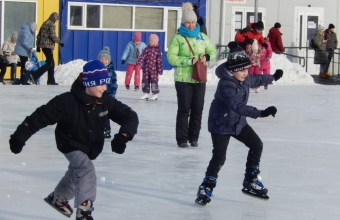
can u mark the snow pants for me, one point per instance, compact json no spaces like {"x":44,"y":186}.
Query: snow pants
{"x":220,"y":145}
{"x":79,"y":181}
{"x":190,"y":98}
{"x":254,"y":70}
{"x":150,"y":79}
{"x":129,"y":71}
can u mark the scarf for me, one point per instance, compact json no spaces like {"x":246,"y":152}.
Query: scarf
{"x":136,"y":48}
{"x":185,"y":32}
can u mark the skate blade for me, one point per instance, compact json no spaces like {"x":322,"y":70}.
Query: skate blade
{"x":249,"y":193}
{"x":144,"y":99}
{"x":201,"y":201}
{"x":48,"y":202}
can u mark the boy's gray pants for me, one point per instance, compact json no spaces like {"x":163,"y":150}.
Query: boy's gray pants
{"x":80,"y":180}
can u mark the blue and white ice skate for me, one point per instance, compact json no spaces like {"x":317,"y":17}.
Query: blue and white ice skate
{"x":205,"y":190}
{"x":252,"y":184}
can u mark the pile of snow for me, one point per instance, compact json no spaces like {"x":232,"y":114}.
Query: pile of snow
{"x":294,"y":74}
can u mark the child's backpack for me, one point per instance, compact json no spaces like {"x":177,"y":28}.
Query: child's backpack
{"x":312,"y":44}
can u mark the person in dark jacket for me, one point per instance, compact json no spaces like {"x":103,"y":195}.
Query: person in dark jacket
{"x":331,"y":45}
{"x":46,"y":40}
{"x":275,"y":38}
{"x":80,"y":115}
{"x":227,"y":118}
{"x":200,"y":21}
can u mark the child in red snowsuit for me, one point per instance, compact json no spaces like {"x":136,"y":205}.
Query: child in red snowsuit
{"x":265,"y":59}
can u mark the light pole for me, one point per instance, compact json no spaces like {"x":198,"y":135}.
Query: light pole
{"x":255,"y":11}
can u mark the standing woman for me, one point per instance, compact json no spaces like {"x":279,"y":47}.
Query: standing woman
{"x":321,"y":55}
{"x":25,"y":45}
{"x":190,"y":93}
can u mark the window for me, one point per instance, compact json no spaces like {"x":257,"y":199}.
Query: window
{"x":251,"y":17}
{"x":17,"y":14}
{"x":149,"y":18}
{"x":172,"y":25}
{"x":76,"y":15}
{"x":93,"y":16}
{"x":119,"y":17}
{"x":238,"y":21}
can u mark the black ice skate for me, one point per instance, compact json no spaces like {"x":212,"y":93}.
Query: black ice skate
{"x":252,"y":185}
{"x":205,"y":190}
{"x":107,"y":134}
{"x":60,"y":204}
{"x":84,"y":211}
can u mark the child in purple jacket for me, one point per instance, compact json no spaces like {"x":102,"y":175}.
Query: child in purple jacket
{"x":153,"y":66}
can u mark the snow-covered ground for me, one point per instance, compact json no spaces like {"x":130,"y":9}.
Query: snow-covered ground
{"x":154,"y":179}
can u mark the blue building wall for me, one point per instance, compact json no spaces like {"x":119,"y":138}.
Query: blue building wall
{"x":86,"y":44}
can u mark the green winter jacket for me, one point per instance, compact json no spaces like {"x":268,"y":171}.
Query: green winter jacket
{"x":180,"y":56}
{"x":320,"y":56}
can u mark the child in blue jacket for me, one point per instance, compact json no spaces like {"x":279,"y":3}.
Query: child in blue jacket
{"x":227,"y":118}
{"x":105,"y":57}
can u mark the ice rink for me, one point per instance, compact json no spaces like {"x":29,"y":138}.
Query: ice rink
{"x":156,"y":180}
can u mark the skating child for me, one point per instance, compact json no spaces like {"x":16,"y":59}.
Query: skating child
{"x":265,"y":59}
{"x":153,"y":66}
{"x":105,"y":57}
{"x":131,"y":53}
{"x":254,"y":53}
{"x":80,"y":115}
{"x":227,"y":118}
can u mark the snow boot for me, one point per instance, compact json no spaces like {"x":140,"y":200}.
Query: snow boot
{"x":322,"y":75}
{"x":183,"y":145}
{"x":205,"y":190}
{"x":154,"y":97}
{"x":60,"y":204}
{"x":194,"y":144}
{"x":136,"y":88}
{"x":127,"y":87}
{"x":145,"y":97}
{"x":84,"y":211}
{"x":107,"y":134}
{"x":327,"y":74}
{"x":266,"y":87}
{"x":252,"y":184}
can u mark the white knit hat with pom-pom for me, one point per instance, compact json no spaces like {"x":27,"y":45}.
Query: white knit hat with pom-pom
{"x":255,"y":46}
{"x":188,"y":13}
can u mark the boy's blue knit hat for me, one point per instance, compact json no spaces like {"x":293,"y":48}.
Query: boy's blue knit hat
{"x":95,"y":74}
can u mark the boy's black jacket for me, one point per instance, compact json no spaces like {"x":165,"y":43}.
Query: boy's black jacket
{"x":80,"y":120}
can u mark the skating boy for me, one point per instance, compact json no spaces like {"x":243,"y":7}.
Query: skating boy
{"x":227,"y":118}
{"x":80,"y":115}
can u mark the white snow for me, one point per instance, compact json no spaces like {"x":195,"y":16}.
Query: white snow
{"x":154,"y":179}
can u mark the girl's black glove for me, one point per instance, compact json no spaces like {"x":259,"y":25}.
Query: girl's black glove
{"x":118,"y":143}
{"x":269,"y":111}
{"x":15,"y":144}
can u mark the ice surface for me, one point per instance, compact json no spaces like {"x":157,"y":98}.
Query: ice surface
{"x":154,"y":179}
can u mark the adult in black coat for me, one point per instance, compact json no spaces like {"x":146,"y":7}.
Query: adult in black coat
{"x":200,"y":21}
{"x":81,"y":116}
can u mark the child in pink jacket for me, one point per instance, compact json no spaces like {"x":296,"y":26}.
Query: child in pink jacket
{"x":254,"y":51}
{"x":265,"y":59}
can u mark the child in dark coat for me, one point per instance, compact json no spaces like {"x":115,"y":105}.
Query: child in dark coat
{"x":80,"y":115}
{"x":227,"y":118}
{"x":153,"y":66}
{"x":105,"y":57}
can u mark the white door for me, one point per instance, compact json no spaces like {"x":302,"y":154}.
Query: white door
{"x":307,"y":21}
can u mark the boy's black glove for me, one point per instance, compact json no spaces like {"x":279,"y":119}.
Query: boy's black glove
{"x":61,"y":44}
{"x":15,"y":144}
{"x":118,"y":143}
{"x":38,"y":49}
{"x":123,"y":62}
{"x":278,"y":74}
{"x":268,"y":111}
{"x":265,"y":45}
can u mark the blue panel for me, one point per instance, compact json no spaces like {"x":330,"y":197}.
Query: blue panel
{"x":80,"y":45}
{"x":95,"y":44}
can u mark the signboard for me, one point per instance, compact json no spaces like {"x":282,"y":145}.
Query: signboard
{"x":235,"y":1}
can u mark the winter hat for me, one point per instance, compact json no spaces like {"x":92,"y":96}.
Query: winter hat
{"x":14,"y":36}
{"x":33,"y":26}
{"x":105,"y":53}
{"x":188,"y":13}
{"x":277,"y":25}
{"x":137,"y":37}
{"x":237,"y":58}
{"x":259,"y":26}
{"x":255,"y":46}
{"x":331,"y":26}
{"x":95,"y":74}
{"x":320,"y":27}
{"x":154,"y":37}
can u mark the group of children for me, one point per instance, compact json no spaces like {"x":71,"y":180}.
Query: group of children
{"x":135,"y":55}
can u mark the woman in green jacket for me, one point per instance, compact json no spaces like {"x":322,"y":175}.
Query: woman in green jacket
{"x":190,"y":93}
{"x":321,"y":55}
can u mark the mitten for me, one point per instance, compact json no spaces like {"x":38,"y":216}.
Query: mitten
{"x":267,"y":58}
{"x":118,"y":143}
{"x":278,"y":74}
{"x":15,"y":144}
{"x":61,"y":44}
{"x":268,"y":111}
{"x":38,"y":49}
{"x":265,"y":45}
{"x":123,"y":62}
